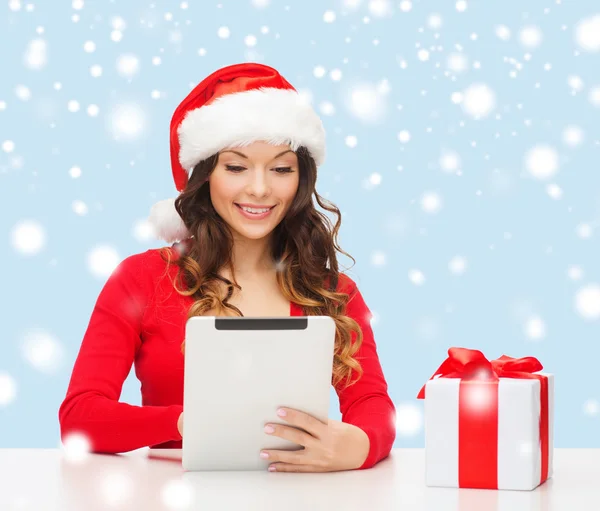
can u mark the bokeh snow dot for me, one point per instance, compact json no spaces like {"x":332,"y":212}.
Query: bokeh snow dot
{"x":587,"y":33}
{"x":575,"y":82}
{"x":416,"y":277}
{"x":575,"y":272}
{"x":434,"y":21}
{"x":319,"y":72}
{"x":572,"y":136}
{"x":587,"y":302}
{"x":594,"y":96}
{"x":143,"y":230}
{"x":127,"y":121}
{"x":8,"y":389}
{"x":23,"y":92}
{"x":335,"y":75}
{"x":457,"y":265}
{"x":42,"y":350}
{"x":535,"y":328}
{"x":409,"y":419}
{"x":118,"y":23}
{"x":35,"y":57}
{"x":457,"y":97}
{"x":128,"y":65}
{"x":591,"y":407}
{"x":96,"y":71}
{"x":8,"y":146}
{"x":79,"y":207}
{"x":177,"y":494}
{"x":75,"y":447}
{"x":380,"y":8}
{"x":431,"y":202}
{"x":530,"y":37}
{"x":93,"y":110}
{"x":116,"y":489}
{"x":326,"y":108}
{"x":406,"y":5}
{"x":351,"y":141}
{"x":378,"y":258}
{"x":375,"y":179}
{"x":457,"y":62}
{"x":73,"y":106}
{"x":449,"y":161}
{"x":502,"y":32}
{"x":541,"y":161}
{"x":423,"y":55}
{"x":366,"y":102}
{"x":584,"y":231}
{"x":554,"y":191}
{"x":478,"y":100}
{"x":28,"y":237}
{"x":404,"y":136}
{"x":102,"y":261}
{"x":329,"y":17}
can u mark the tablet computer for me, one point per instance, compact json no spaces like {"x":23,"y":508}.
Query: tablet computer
{"x":237,"y":372}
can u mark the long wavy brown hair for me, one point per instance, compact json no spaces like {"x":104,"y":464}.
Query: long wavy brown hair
{"x":303,"y":248}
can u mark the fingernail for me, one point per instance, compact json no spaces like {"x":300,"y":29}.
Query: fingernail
{"x":269,"y":429}
{"x":272,"y":468}
{"x":264,"y":455}
{"x":281,"y":412}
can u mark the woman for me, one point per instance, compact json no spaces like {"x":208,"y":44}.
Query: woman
{"x":247,"y":240}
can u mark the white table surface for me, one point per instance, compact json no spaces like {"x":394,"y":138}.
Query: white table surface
{"x":45,"y":480}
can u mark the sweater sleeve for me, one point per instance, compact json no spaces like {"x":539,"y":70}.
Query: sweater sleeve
{"x":366,"y":403}
{"x":104,"y":360}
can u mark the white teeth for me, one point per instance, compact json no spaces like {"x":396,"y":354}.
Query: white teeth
{"x":256,"y":211}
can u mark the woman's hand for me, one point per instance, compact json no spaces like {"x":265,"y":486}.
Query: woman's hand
{"x":180,"y":424}
{"x":327,"y":447}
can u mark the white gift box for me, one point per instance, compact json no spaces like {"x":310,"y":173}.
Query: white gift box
{"x":519,"y":450}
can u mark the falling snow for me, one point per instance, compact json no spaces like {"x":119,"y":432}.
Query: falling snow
{"x":464,"y":149}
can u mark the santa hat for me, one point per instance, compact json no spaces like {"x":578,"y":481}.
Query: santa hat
{"x":234,"y":106}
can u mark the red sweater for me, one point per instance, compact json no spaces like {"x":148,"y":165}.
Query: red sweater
{"x":139,"y":319}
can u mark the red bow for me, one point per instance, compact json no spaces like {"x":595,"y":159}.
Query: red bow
{"x":472,"y":365}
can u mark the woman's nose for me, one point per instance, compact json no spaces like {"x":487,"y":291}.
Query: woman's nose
{"x":259,"y":182}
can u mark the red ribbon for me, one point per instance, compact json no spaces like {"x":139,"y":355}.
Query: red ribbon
{"x":478,"y":426}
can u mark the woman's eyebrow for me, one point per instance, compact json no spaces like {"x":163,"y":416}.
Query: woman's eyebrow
{"x":246,"y":157}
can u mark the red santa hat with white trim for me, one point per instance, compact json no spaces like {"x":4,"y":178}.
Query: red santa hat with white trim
{"x":234,"y":106}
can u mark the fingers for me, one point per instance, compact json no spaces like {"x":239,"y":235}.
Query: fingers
{"x":290,"y":433}
{"x":288,"y":457}
{"x":303,"y":420}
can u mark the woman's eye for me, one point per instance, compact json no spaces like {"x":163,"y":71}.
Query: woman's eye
{"x":279,"y":170}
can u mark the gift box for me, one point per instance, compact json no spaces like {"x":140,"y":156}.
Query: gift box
{"x":488,"y":424}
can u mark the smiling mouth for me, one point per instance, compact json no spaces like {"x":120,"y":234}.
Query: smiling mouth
{"x":254,"y":209}
{"x":254,"y":213}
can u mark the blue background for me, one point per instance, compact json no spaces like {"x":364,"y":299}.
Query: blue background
{"x":518,"y":241}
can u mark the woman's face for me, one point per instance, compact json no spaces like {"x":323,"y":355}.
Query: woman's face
{"x":253,"y":187}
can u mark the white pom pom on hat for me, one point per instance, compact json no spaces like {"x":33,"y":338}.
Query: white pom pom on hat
{"x":166,"y":222}
{"x":262,"y":106}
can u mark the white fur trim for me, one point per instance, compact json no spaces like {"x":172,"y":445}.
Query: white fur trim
{"x":166,"y":222}
{"x":277,"y":116}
